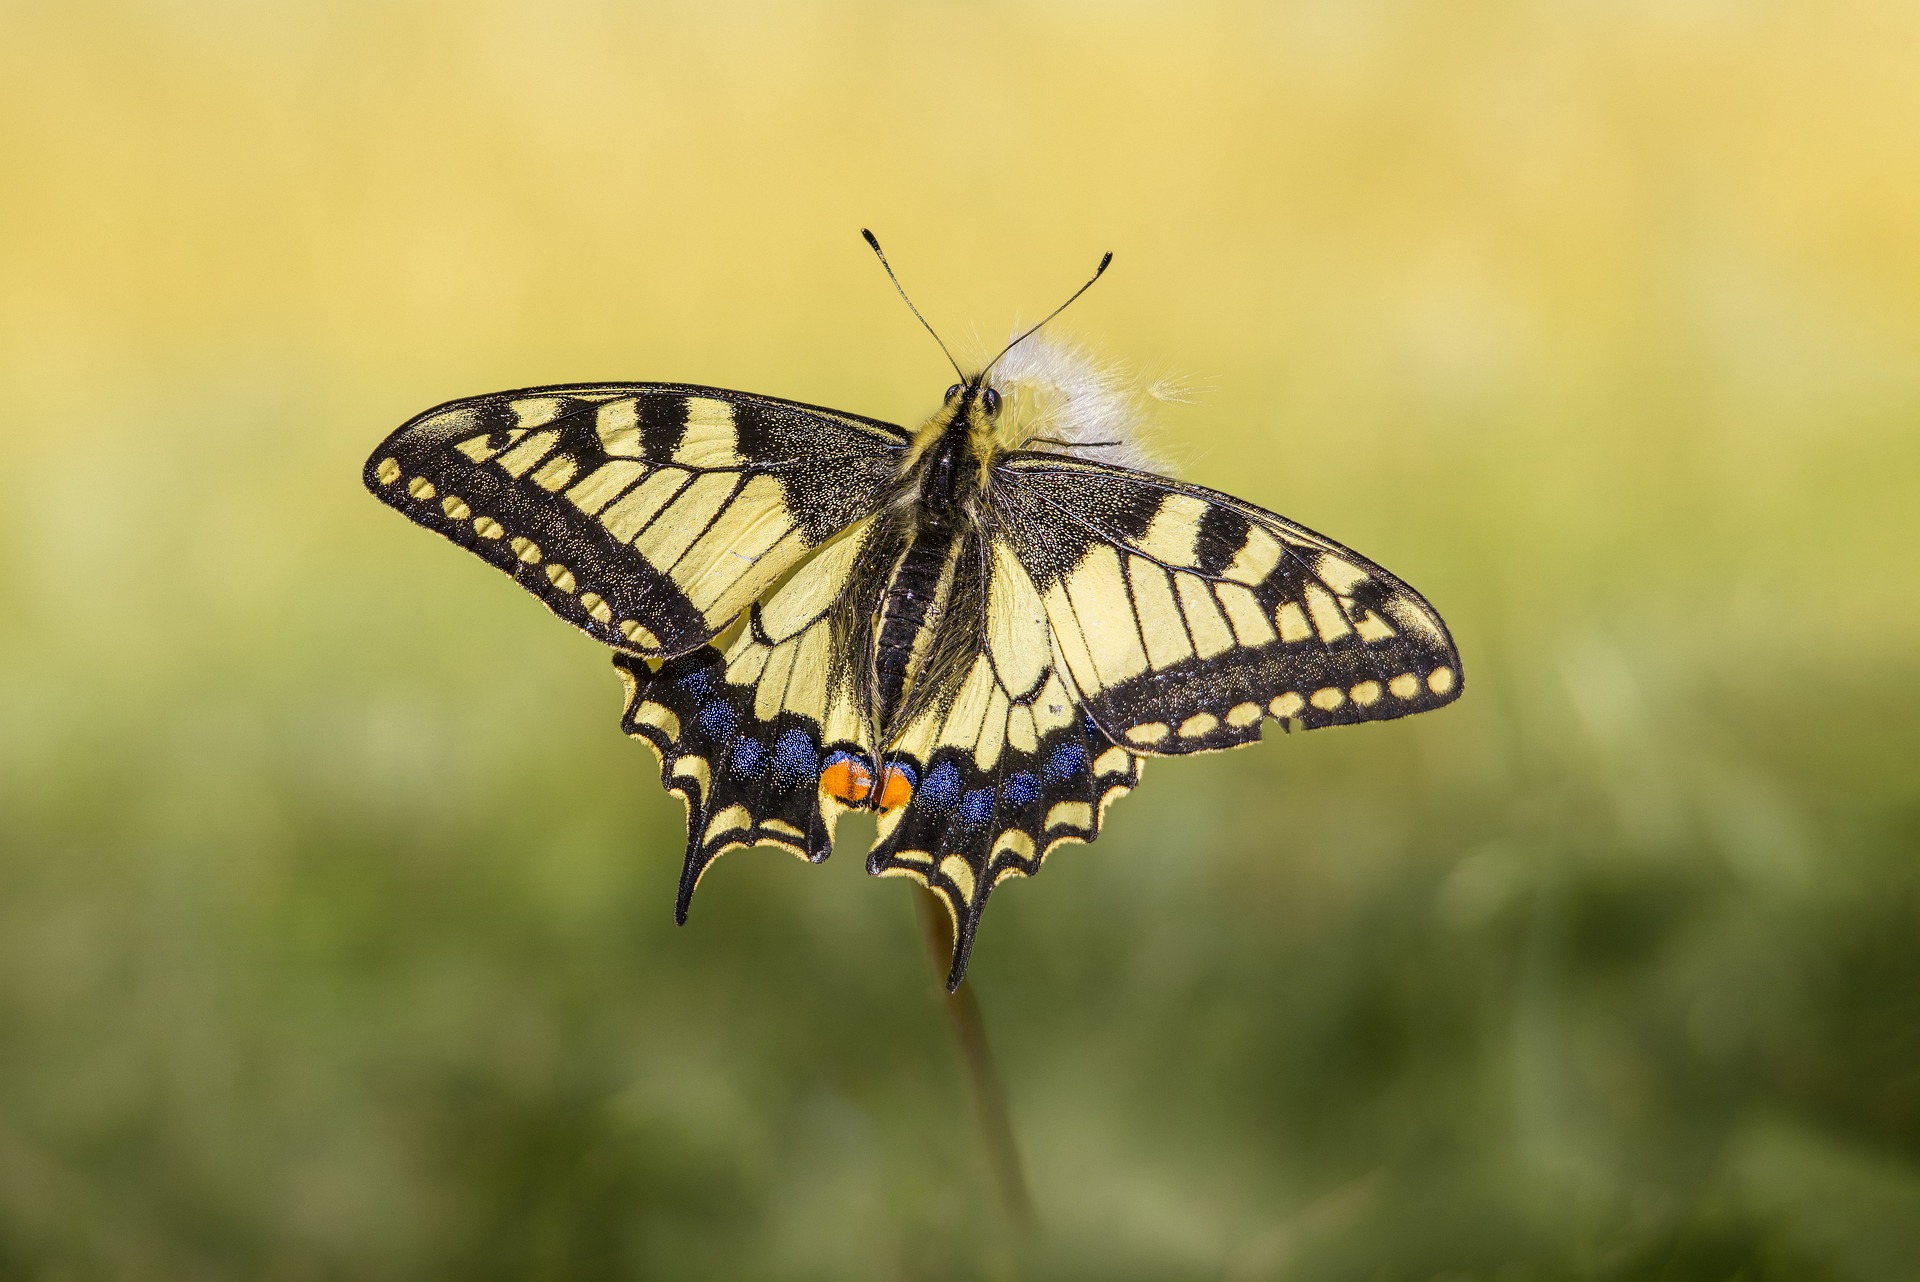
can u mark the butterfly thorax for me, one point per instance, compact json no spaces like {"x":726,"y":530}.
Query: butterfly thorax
{"x":944,"y":473}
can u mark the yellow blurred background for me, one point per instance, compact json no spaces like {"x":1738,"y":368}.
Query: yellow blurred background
{"x":335,"y":932}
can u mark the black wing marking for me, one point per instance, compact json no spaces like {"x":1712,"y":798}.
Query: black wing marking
{"x":648,"y":515}
{"x":1186,"y":616}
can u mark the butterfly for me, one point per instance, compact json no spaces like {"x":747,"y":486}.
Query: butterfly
{"x":981,"y":628}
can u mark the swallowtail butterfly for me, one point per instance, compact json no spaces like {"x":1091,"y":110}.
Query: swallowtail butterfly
{"x":980,"y":628}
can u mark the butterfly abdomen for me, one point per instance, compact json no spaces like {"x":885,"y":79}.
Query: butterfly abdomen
{"x":919,"y":580}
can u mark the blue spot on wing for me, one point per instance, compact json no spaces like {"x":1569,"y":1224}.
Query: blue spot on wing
{"x":698,"y":683}
{"x":1023,"y":789}
{"x":718,"y":719}
{"x":749,"y":758}
{"x":976,"y":807}
{"x":795,"y":758}
{"x":1069,"y":761}
{"x":941,"y":790}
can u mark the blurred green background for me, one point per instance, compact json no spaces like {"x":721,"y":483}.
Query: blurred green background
{"x":335,"y":935}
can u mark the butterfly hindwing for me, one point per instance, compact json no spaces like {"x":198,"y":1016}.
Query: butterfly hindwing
{"x":1004,"y":768}
{"x":1186,"y":617}
{"x":747,"y":732}
{"x":649,"y":515}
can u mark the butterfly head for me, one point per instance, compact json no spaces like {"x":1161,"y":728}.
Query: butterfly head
{"x":986,"y":397}
{"x":953,"y":448}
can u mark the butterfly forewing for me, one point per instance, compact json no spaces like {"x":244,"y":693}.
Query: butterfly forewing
{"x":649,"y":515}
{"x":1187,"y":617}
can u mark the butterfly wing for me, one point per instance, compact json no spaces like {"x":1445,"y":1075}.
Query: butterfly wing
{"x":747,"y":731}
{"x":1186,"y":617}
{"x":648,"y":515}
{"x":1004,"y":768}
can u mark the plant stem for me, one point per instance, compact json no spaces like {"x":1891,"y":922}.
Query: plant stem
{"x":989,"y":1097}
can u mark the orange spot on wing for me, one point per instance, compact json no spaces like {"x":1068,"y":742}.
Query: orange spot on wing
{"x":895,"y":788}
{"x":848,"y":781}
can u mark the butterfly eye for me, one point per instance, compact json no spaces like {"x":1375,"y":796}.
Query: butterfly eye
{"x":991,"y":399}
{"x":953,"y":391}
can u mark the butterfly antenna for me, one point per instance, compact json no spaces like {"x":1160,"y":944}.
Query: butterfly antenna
{"x":1104,"y":260}
{"x":881,"y":255}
